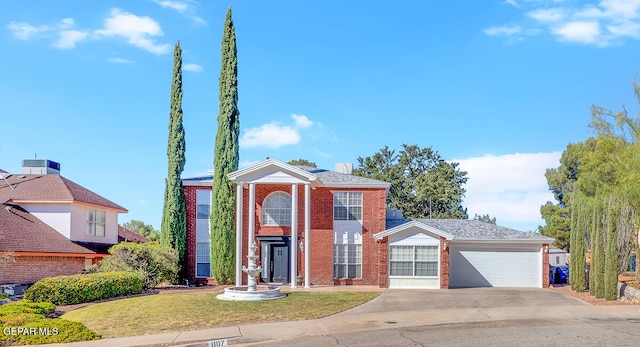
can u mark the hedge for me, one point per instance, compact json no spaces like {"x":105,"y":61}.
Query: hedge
{"x":24,"y":322}
{"x":75,"y":289}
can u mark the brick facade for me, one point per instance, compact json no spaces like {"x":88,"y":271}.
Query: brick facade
{"x":321,"y":231}
{"x":30,"y":269}
{"x":545,"y":266}
{"x":444,"y":263}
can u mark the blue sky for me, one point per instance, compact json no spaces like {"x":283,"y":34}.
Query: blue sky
{"x":499,"y":86}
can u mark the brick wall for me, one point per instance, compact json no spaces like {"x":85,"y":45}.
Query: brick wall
{"x":545,"y":266}
{"x":444,"y":263}
{"x":32,"y":269}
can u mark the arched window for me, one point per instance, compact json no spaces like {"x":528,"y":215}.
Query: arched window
{"x":276,"y":209}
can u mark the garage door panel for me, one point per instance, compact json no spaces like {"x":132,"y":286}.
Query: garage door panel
{"x":494,"y":268}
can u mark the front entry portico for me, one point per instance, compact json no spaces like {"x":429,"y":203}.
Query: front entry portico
{"x":274,"y":257}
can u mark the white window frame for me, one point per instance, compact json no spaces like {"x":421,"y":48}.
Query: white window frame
{"x":203,"y":249}
{"x":278,"y":215}
{"x":351,"y":202}
{"x":350,"y":262}
{"x":414,"y":260}
{"x":96,"y":222}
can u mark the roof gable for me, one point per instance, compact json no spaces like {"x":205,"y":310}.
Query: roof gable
{"x":461,"y":230}
{"x":272,"y":171}
{"x":20,"y":231}
{"x":50,"y":188}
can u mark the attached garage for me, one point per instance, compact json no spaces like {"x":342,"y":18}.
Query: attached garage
{"x":453,"y":253}
{"x":495,"y":265}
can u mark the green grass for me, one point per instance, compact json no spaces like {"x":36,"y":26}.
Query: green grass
{"x":156,"y":314}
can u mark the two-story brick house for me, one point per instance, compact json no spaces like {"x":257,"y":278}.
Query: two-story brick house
{"x":322,"y":227}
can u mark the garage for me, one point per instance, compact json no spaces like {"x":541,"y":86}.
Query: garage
{"x":456,"y":253}
{"x":495,"y":265}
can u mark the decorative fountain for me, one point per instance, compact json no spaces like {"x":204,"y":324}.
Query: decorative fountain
{"x":252,"y":291}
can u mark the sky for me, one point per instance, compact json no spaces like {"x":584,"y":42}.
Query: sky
{"x":500,"y":87}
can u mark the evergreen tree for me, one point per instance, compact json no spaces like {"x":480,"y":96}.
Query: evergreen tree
{"x":174,"y":226}
{"x":578,"y":249}
{"x":611,"y":257}
{"x":225,"y":160}
{"x":597,"y":256}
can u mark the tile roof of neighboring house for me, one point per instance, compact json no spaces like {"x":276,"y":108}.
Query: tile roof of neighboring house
{"x":22,"y":232}
{"x":50,"y":188}
{"x":125,"y":235}
{"x":467,"y":229}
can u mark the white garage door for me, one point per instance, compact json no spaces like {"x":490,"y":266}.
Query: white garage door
{"x":471,"y":267}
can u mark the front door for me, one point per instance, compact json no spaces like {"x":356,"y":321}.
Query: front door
{"x":280,"y":263}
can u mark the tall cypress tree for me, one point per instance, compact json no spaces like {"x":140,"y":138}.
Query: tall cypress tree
{"x":611,"y":255}
{"x":225,"y":160}
{"x":174,"y":226}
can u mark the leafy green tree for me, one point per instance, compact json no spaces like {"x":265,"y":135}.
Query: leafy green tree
{"x":579,"y":230}
{"x":611,"y":255}
{"x":485,"y":218}
{"x":302,"y":162}
{"x":423,"y":185}
{"x":174,"y":226}
{"x":226,"y":157}
{"x":154,"y":263}
{"x":143,"y":229}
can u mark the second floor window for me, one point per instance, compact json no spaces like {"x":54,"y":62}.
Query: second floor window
{"x":276,"y":209}
{"x":96,"y":222}
{"x":347,"y":206}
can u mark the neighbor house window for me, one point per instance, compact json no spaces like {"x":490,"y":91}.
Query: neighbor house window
{"x":96,"y":222}
{"x":203,"y":249}
{"x":347,"y":261}
{"x":276,"y":209}
{"x":414,"y":261}
{"x":347,"y":206}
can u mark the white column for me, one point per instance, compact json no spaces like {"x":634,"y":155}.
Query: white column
{"x":252,"y":219}
{"x":307,"y":236}
{"x":239,"y":234}
{"x":294,"y":235}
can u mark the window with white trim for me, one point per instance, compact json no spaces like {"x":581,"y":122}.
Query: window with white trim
{"x":276,"y":209}
{"x":413,"y":261}
{"x":203,"y":243}
{"x":347,"y":206}
{"x":96,"y":222}
{"x":347,"y":261}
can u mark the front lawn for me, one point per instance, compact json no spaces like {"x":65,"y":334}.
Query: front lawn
{"x":163,"y":313}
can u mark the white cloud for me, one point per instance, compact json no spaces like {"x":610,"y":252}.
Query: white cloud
{"x":270,"y":135}
{"x":25,"y":31}
{"x":584,"y":32}
{"x":600,"y":23}
{"x":179,"y":6}
{"x":192,"y":67}
{"x":69,"y":38}
{"x":120,"y":60}
{"x":509,"y":187}
{"x":548,"y":15}
{"x":503,"y":30}
{"x":199,"y":20}
{"x":138,"y":30}
{"x":302,"y":121}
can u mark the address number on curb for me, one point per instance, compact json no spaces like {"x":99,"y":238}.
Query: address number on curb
{"x":218,"y":343}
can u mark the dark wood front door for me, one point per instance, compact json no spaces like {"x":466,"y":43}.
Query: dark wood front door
{"x":280,"y":263}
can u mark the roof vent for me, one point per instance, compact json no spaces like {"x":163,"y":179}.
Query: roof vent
{"x":344,"y":168}
{"x":40,"y":167}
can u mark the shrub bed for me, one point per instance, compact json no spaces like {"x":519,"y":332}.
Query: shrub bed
{"x":76,"y":289}
{"x":25,"y":322}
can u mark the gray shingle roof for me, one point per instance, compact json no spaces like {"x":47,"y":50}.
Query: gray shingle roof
{"x":465,"y":229}
{"x":329,"y":178}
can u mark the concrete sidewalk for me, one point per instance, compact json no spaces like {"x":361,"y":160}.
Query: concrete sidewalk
{"x":397,"y":308}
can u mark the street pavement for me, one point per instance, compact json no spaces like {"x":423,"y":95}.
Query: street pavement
{"x":396,"y":308}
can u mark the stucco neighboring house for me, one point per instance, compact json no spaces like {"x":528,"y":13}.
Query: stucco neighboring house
{"x":51,"y":225}
{"x":320,"y":227}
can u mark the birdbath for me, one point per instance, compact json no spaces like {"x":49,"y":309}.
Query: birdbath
{"x":252,"y":271}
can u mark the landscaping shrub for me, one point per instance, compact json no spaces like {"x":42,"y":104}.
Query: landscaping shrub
{"x":152,"y":262}
{"x":75,"y":289}
{"x":24,"y":322}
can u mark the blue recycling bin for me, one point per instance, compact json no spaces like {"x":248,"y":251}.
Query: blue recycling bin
{"x":562,"y":274}
{"x":552,"y":274}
